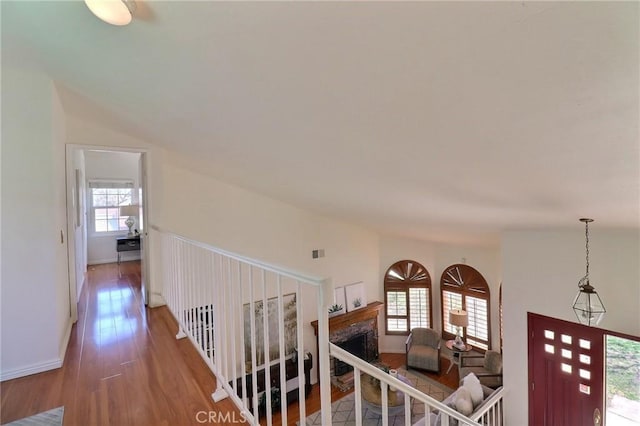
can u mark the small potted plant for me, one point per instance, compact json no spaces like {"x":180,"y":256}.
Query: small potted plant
{"x":334,"y":310}
{"x":383,"y":367}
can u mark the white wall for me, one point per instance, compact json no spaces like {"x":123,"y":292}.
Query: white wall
{"x":204,"y":209}
{"x":208,"y":210}
{"x":59,"y":213}
{"x":34,"y":273}
{"x":541,"y":273}
{"x":436,"y":257}
{"x":116,"y":166}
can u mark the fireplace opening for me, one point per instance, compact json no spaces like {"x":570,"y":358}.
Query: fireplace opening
{"x":356,"y":345}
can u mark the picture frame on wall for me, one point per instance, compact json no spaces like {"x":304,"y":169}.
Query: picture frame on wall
{"x":273,"y":326}
{"x":355,"y":296}
{"x":339,"y":302}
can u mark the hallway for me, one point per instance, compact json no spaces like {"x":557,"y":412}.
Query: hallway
{"x":123,"y":364}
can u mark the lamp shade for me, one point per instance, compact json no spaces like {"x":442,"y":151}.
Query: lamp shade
{"x":131,"y":210}
{"x":458,"y":317}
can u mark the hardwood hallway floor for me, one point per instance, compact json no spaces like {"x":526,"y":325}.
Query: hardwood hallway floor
{"x":123,"y":365}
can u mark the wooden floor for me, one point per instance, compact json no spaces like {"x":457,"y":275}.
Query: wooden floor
{"x":124,"y":366}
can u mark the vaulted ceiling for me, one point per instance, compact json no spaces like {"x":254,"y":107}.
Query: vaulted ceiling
{"x":435,"y":120}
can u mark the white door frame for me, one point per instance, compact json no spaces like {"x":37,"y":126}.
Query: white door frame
{"x":71,"y":220}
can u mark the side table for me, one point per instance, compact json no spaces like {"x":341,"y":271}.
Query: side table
{"x":372,"y":396}
{"x":129,"y":243}
{"x":456,"y":353}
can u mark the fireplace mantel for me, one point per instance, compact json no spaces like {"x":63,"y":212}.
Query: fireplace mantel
{"x":346,"y":320}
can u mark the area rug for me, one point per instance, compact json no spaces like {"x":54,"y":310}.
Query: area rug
{"x":46,"y":418}
{"x":343,"y":410}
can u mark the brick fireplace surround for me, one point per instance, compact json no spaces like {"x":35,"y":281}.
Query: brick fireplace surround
{"x":359,"y":325}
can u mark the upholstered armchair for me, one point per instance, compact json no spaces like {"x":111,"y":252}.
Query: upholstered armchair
{"x":423,"y":349}
{"x":487,"y":367}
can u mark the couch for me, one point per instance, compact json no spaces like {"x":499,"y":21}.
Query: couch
{"x":452,"y":401}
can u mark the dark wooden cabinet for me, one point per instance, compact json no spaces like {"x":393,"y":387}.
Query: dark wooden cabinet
{"x":127,"y":244}
{"x":291,"y":372}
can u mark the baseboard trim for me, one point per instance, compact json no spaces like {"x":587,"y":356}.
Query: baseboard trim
{"x":84,"y":279}
{"x":65,"y":341}
{"x":112,"y":260}
{"x":43,"y":366}
{"x":101,"y":261}
{"x":392,"y":351}
{"x":32,"y":369}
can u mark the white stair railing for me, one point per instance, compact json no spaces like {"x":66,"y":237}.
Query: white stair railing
{"x":489,"y":415}
{"x":219,"y":299}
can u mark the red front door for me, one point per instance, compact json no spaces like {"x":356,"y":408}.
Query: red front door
{"x":566,"y":369}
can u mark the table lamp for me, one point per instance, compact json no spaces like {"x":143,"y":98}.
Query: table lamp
{"x":130,"y":211}
{"x":459,"y":318}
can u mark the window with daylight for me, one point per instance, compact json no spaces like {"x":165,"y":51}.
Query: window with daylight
{"x":407,"y":297}
{"x":106,"y":198}
{"x":465,"y":288}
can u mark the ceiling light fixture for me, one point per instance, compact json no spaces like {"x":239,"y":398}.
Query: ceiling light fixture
{"x":114,"y":12}
{"x":587,"y":304}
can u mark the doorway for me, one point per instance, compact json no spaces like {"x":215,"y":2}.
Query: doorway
{"x":566,"y":373}
{"x":94,"y":226}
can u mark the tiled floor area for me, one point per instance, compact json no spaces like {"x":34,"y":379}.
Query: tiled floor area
{"x":343,"y":410}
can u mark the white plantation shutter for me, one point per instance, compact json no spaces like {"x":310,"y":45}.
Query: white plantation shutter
{"x":419,"y":307}
{"x":397,"y":303}
{"x":450,"y":301}
{"x":397,"y":324}
{"x":478,"y":328}
{"x":396,"y":306}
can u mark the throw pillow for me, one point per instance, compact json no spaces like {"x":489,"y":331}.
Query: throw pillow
{"x":472,"y":384}
{"x":464,"y":404}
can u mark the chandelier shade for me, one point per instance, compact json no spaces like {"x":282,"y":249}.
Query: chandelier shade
{"x":588,"y":306}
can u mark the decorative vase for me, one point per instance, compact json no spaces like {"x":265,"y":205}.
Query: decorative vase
{"x":393,"y":373}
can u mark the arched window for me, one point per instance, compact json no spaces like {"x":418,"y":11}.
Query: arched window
{"x":463,"y":287}
{"x":407,"y":297}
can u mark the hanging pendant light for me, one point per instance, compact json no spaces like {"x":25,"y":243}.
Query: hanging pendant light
{"x":587,"y":304}
{"x":114,"y":12}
